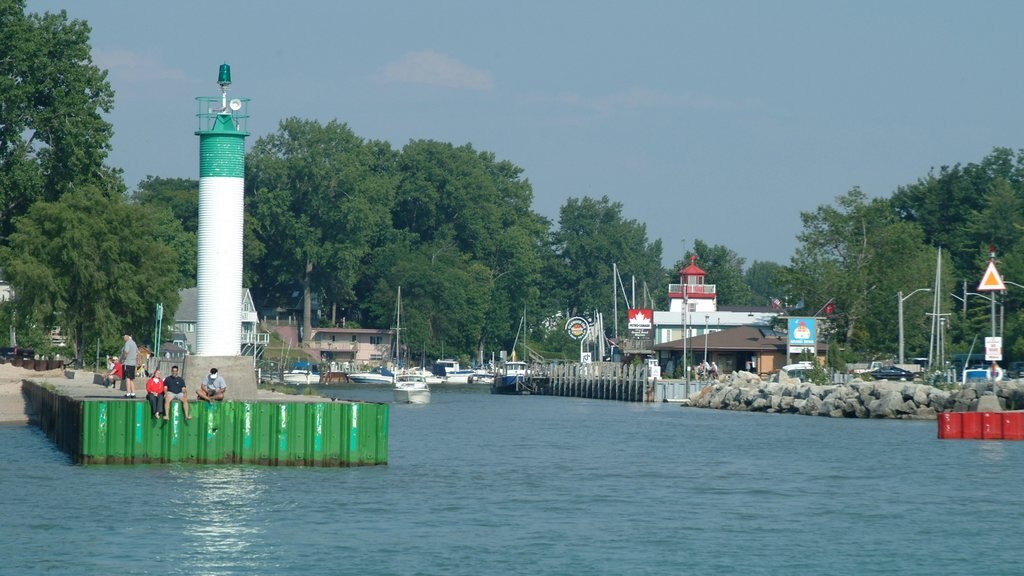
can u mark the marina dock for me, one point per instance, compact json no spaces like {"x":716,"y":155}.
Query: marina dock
{"x":606,"y":381}
{"x":97,"y":425}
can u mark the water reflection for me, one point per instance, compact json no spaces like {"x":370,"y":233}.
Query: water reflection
{"x":217,"y":508}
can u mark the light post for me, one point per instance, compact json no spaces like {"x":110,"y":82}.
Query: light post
{"x":706,"y":318}
{"x":900,"y":299}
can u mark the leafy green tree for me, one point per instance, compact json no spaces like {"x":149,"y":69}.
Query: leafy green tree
{"x":319,"y":196}
{"x":92,"y":264}
{"x":445,"y":296}
{"x":765,"y":281}
{"x":179,"y":198}
{"x":591,"y":236}
{"x":724,"y":269}
{"x":52,"y":133}
{"x":455,"y":200}
{"x":858,"y":255}
{"x":179,"y":195}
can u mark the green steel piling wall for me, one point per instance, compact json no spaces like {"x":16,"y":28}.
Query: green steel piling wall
{"x":269,"y":433}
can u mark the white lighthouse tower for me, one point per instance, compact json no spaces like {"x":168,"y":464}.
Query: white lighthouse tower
{"x":222,"y":132}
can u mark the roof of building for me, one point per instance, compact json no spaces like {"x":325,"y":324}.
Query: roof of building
{"x":750,"y":338}
{"x":692,"y":269}
{"x":188,"y":309}
{"x":351,"y":330}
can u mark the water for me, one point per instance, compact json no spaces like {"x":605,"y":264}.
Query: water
{"x":480,"y":484}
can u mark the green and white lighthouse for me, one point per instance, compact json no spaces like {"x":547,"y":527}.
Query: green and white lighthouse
{"x":222,"y":131}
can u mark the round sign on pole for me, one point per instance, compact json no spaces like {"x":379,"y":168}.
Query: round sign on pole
{"x":577,"y":328}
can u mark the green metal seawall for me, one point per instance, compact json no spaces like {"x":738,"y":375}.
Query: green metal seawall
{"x":269,"y":433}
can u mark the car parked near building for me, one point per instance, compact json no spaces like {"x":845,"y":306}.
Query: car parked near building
{"x":891,"y":373}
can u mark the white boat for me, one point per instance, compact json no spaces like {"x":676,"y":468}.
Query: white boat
{"x":379,"y":376}
{"x":459,"y":377}
{"x":301,"y":374}
{"x":482,"y":377}
{"x":432,"y":379}
{"x":411,"y":389}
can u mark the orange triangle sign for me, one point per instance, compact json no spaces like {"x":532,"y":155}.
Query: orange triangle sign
{"x":991,"y":281}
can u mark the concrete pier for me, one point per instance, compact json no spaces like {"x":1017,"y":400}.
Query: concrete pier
{"x":97,"y":425}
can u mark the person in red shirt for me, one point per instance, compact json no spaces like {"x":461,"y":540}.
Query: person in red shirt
{"x":115,"y":372}
{"x":155,"y":393}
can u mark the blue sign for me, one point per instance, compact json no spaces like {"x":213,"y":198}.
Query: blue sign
{"x":802,"y":331}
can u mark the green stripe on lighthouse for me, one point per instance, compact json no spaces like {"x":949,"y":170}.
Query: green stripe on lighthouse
{"x":222,"y":150}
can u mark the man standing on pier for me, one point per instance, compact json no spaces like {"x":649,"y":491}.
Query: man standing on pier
{"x":128,"y":358}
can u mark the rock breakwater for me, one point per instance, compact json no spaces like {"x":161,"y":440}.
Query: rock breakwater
{"x":856,"y":399}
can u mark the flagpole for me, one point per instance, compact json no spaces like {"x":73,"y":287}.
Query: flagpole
{"x":818,"y":313}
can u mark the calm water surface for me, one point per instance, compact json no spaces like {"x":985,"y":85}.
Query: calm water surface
{"x":482,"y":484}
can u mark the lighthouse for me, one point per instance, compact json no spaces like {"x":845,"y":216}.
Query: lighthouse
{"x":222,"y":131}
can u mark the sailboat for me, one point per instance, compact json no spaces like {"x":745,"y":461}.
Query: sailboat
{"x":512,"y":378}
{"x":409,"y":388}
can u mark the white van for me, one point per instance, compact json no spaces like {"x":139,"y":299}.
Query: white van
{"x":796,"y":371}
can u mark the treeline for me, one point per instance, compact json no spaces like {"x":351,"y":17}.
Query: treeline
{"x":345,"y":221}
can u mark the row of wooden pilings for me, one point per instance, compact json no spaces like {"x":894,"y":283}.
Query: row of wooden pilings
{"x":599,"y":381}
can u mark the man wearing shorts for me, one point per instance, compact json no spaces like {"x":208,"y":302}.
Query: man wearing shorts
{"x":213,"y":387}
{"x":175,"y":389}
{"x":128,"y":359}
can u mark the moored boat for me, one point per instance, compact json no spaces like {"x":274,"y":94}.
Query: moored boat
{"x":512,"y":379}
{"x":302,"y":374}
{"x":378,"y":376}
{"x":430,"y":377}
{"x":458,"y":377}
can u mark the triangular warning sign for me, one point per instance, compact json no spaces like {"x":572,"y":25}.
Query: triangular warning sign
{"x":991,"y":281}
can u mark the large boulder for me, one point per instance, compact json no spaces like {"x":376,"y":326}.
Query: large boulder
{"x":888,"y":405}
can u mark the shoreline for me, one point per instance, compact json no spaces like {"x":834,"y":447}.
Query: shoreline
{"x":12,"y":403}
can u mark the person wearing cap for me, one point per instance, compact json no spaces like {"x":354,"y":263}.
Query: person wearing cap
{"x":115,"y":372}
{"x":213,"y":387}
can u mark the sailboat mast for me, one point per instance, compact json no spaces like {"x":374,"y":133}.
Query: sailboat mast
{"x":398,"y":329}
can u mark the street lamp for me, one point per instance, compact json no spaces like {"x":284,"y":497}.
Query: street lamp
{"x":900,"y":298}
{"x":706,"y":317}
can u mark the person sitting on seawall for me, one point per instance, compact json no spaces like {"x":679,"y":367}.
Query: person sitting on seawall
{"x":175,"y":386}
{"x":115,"y":372}
{"x":213,"y":387}
{"x":155,"y":394}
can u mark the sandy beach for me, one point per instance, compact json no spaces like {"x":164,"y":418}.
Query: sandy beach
{"x":12,"y":405}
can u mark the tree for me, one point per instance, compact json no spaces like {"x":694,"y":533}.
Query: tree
{"x":455,"y":200}
{"x":319,"y":196}
{"x":52,"y":134}
{"x":591,"y":236}
{"x":765,"y":281}
{"x":724,"y":269}
{"x":179,"y":197}
{"x":858,"y":255}
{"x":92,"y":264}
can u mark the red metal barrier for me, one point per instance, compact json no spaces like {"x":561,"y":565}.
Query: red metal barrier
{"x":992,"y":425}
{"x":951,"y":425}
{"x":972,"y":425}
{"x":1013,"y":425}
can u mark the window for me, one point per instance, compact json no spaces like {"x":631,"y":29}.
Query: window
{"x":355,"y":339}
{"x":376,"y":340}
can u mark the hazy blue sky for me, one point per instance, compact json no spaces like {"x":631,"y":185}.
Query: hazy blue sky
{"x":715,"y":120}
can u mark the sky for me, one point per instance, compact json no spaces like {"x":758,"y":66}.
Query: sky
{"x":715,"y":121}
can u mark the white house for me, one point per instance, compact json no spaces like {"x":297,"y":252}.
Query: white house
{"x":253,"y":341}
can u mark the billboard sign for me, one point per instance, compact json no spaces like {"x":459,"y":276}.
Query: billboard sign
{"x":803,"y":334}
{"x":640,"y":320}
{"x":577,"y":328}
